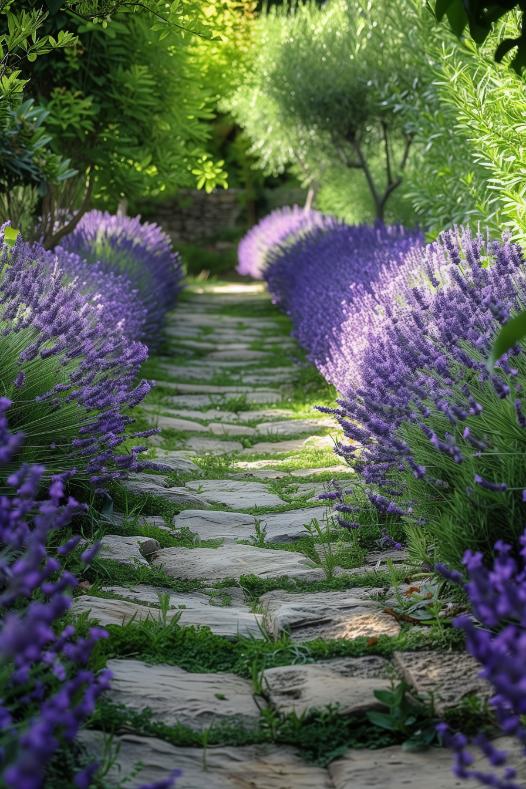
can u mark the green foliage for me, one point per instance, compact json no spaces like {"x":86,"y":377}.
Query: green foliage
{"x":25,"y":154}
{"x":405,"y":716}
{"x":480,"y":16}
{"x":323,"y":93}
{"x":510,"y":334}
{"x":467,"y":119}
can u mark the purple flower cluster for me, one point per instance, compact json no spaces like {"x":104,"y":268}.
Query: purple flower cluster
{"x":282,"y":226}
{"x":324,"y":277}
{"x":69,"y":368}
{"x":46,"y":689}
{"x":496,"y":637}
{"x":404,"y":332}
{"x":139,"y":250}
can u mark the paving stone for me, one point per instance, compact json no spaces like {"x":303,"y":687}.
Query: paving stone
{"x":291,"y":427}
{"x":273,"y":473}
{"x":210,"y":389}
{"x":233,"y":561}
{"x":195,"y":608}
{"x":348,"y":682}
{"x":212,"y":446}
{"x":175,"y":495}
{"x":394,"y":768}
{"x":225,"y":429}
{"x":174,"y":423}
{"x":128,"y":550}
{"x":246,"y":767}
{"x":178,"y":696}
{"x":345,"y":615}
{"x":293,"y":445}
{"x":238,"y":354}
{"x":256,"y":397}
{"x":233,"y":493}
{"x":233,"y":526}
{"x":449,"y":676}
{"x":175,"y":461}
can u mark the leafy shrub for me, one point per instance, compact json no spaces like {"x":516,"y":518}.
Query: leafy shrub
{"x":141,"y":251}
{"x":278,"y":227}
{"x":70,"y":374}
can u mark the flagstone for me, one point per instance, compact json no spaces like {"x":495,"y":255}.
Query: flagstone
{"x":175,"y":696}
{"x":448,"y":676}
{"x":233,"y":561}
{"x":346,"y":615}
{"x":128,"y":550}
{"x":292,"y":445}
{"x":348,"y":683}
{"x":232,"y":526}
{"x":213,"y":446}
{"x":175,"y":461}
{"x":291,"y":427}
{"x":234,"y":493}
{"x":173,"y":423}
{"x":245,"y":767}
{"x":225,"y":429}
{"x":191,"y":610}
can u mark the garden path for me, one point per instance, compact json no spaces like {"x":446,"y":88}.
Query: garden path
{"x":230,"y":535}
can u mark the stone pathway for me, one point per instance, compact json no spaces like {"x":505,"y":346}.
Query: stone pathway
{"x":229,"y":535}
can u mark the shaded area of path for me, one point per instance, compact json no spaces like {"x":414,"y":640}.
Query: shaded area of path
{"x":230,"y":536}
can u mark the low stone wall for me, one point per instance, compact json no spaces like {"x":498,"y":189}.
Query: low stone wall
{"x":194,"y":215}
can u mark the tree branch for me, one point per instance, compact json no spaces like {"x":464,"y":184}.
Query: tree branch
{"x":52,"y":239}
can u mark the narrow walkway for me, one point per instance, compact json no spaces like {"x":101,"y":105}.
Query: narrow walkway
{"x":231,"y":536}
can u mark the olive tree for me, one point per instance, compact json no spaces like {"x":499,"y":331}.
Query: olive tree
{"x":323,"y":91}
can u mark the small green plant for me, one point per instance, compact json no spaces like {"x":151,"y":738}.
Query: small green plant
{"x":260,"y":536}
{"x":405,"y":716}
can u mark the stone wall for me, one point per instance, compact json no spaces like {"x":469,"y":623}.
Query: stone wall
{"x":195,"y":215}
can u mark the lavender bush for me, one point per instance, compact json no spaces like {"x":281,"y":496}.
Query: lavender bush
{"x":70,"y":370}
{"x":46,"y":689}
{"x":321,"y":279}
{"x":496,"y":637}
{"x":404,"y":333}
{"x":141,"y":251}
{"x":442,"y":438}
{"x":279,"y":227}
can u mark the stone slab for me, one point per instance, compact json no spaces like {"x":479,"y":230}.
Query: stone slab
{"x":233,"y":526}
{"x":175,"y":461}
{"x":243,"y":354}
{"x":293,"y":445}
{"x":178,"y":696}
{"x":292,"y":427}
{"x":246,"y":767}
{"x":330,"y":615}
{"x":266,"y":472}
{"x":233,"y":561}
{"x":226,"y":429}
{"x":195,"y":609}
{"x":449,"y":676}
{"x":212,"y":446}
{"x":348,"y":683}
{"x":175,"y":495}
{"x":234,"y":493}
{"x":394,"y":768}
{"x":256,"y":397}
{"x":128,"y":550}
{"x":173,"y":423}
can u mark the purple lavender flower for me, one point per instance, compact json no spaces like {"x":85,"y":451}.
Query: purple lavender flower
{"x":282,"y":226}
{"x":68,"y":361}
{"x":46,"y":691}
{"x":496,"y":637}
{"x":140,"y":251}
